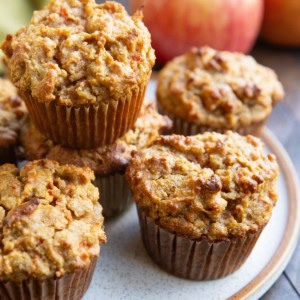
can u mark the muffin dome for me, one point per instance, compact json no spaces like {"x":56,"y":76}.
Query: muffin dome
{"x":213,"y":186}
{"x":77,"y":52}
{"x":218,"y":89}
{"x":50,"y":220}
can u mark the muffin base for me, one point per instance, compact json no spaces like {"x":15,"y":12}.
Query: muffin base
{"x":7,"y":155}
{"x":115,"y":194}
{"x":187,"y":128}
{"x":86,"y":126}
{"x":71,"y":286}
{"x":194,"y":259}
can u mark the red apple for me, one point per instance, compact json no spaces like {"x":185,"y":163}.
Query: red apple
{"x":178,"y":25}
{"x":281,"y":25}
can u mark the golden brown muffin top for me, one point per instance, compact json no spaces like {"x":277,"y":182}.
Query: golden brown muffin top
{"x":51,"y":222}
{"x":103,"y":160}
{"x":79,"y":52}
{"x":13,"y":113}
{"x":219,"y":89}
{"x":213,"y":185}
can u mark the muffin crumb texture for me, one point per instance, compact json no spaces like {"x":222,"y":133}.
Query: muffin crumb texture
{"x":213,"y":186}
{"x":13,"y":113}
{"x":50,"y":220}
{"x":219,"y":89}
{"x":103,"y":160}
{"x":78,"y":52}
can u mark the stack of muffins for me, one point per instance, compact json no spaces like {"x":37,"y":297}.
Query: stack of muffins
{"x":82,"y":70}
{"x":202,"y":199}
{"x":86,"y":68}
{"x":108,"y":162}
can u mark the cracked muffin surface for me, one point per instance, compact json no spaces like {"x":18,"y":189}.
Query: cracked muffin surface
{"x":50,"y":220}
{"x":78,"y":52}
{"x":103,"y":160}
{"x":13,"y":113}
{"x":218,"y":89}
{"x":212,"y":185}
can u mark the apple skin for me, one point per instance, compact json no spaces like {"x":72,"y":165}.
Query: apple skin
{"x":281,"y":25}
{"x":178,"y":25}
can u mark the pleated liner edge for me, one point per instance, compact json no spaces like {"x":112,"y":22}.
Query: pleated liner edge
{"x":87,"y":126}
{"x":187,"y":128}
{"x":115,"y":196}
{"x":194,"y":259}
{"x":71,"y":286}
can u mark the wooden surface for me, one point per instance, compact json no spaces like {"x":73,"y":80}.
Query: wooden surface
{"x":285,"y":124}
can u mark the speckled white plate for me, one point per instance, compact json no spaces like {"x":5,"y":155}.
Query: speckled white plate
{"x":125,"y":271}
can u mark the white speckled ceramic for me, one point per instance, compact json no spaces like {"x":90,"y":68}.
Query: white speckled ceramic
{"x":125,"y":271}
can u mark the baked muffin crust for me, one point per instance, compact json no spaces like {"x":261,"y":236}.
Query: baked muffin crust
{"x":12,"y":113}
{"x":78,"y":52}
{"x":218,"y":89}
{"x":50,"y":220}
{"x":103,"y":160}
{"x":210,"y":186}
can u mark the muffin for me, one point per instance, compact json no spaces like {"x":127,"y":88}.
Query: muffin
{"x":209,"y":90}
{"x":82,"y":69}
{"x":51,"y":229}
{"x":203,"y":201}
{"x":12,"y":116}
{"x":108,"y":162}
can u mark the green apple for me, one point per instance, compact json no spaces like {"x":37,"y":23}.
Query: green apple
{"x":13,"y":15}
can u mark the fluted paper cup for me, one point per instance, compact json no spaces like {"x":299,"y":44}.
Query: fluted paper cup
{"x":188,"y":128}
{"x":194,"y":259}
{"x":115,"y":194}
{"x":71,"y":286}
{"x":87,"y":126}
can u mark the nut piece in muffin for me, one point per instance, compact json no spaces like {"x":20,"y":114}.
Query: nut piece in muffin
{"x":211,"y":190}
{"x":13,"y":113}
{"x":51,"y":226}
{"x":210,"y":90}
{"x":108,"y":162}
{"x":79,"y":54}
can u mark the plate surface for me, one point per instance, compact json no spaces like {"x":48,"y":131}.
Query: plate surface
{"x":125,"y":271}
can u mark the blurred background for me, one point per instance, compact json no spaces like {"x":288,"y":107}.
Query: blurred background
{"x":176,"y":26}
{"x":267,"y":29}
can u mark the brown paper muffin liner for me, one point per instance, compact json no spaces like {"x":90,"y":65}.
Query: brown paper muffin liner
{"x":7,"y":155}
{"x":88,"y":126}
{"x":71,"y":286}
{"x":194,"y":259}
{"x":115,"y":195}
{"x":187,"y":128}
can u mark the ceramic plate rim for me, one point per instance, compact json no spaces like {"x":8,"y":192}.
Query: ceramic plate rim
{"x":273,"y":269}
